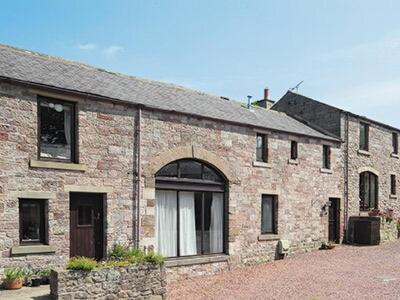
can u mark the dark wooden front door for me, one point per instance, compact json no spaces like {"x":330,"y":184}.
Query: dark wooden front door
{"x":334,"y":220}
{"x":86,"y":225}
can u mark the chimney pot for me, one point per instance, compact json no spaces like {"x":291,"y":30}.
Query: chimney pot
{"x":266,"y":91}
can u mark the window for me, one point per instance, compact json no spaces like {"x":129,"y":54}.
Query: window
{"x":395,"y":143}
{"x":364,"y":136}
{"x":368,"y":191}
{"x":269,"y":215}
{"x":262,"y":148}
{"x":326,"y":157}
{"x":32,"y":221}
{"x":393,"y":184}
{"x":293,"y":150}
{"x":56,"y":130}
{"x":190,"y":210}
{"x":85,"y":215}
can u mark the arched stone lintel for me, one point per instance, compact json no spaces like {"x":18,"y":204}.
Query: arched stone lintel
{"x":190,"y":152}
{"x":368,"y":169}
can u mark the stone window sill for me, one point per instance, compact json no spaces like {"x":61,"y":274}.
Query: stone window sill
{"x":326,"y":171}
{"x":32,"y":249}
{"x":269,"y":237}
{"x":364,"y":152}
{"x":393,"y":196}
{"x":293,"y":161}
{"x":56,"y":165}
{"x":394,"y":155}
{"x":261,"y":164}
{"x":196,"y":260}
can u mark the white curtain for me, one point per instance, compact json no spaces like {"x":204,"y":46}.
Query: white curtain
{"x":187,"y":224}
{"x":67,"y":125}
{"x":216,"y":226}
{"x":166,"y":220}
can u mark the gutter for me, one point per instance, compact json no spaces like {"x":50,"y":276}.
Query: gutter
{"x":138,"y":175}
{"x":346,"y":174}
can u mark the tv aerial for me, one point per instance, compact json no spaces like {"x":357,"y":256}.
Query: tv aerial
{"x":296,"y":87}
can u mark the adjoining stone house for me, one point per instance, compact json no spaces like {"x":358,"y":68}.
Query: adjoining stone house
{"x":371,"y":166}
{"x":90,"y":158}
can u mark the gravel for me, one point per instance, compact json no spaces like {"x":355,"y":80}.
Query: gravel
{"x":346,"y":272}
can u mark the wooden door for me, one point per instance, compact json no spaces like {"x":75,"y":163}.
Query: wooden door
{"x":86,"y":225}
{"x":334,"y":220}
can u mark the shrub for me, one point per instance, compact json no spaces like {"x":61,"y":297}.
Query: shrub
{"x":119,"y":252}
{"x":81,"y":263}
{"x":154,"y":258}
{"x":14,"y":273}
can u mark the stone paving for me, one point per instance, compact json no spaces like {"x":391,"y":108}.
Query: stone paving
{"x":27,"y":293}
{"x":347,"y":272}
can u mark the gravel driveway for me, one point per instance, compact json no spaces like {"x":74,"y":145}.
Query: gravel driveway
{"x":346,"y":272}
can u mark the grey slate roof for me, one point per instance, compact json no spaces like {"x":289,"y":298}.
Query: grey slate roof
{"x":41,"y":69}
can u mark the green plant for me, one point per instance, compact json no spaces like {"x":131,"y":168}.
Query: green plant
{"x":154,"y":258}
{"x":81,"y":263}
{"x":14,"y":273}
{"x":119,"y":252}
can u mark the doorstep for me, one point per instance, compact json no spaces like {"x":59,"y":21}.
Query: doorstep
{"x":188,"y":261}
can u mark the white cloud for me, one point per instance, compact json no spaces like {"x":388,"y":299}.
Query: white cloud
{"x":384,"y":49}
{"x":113,"y":50}
{"x":86,"y":47}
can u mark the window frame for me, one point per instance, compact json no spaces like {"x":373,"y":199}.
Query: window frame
{"x":74,"y":130}
{"x":370,"y":176}
{"x":264,"y":148}
{"x":395,"y":143}
{"x":43,"y":222}
{"x":326,"y":157}
{"x":294,"y":150}
{"x":366,"y":126}
{"x":181,"y":184}
{"x":274,"y":199}
{"x":393,"y":184}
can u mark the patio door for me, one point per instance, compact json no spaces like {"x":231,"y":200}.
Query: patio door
{"x":86,"y":225}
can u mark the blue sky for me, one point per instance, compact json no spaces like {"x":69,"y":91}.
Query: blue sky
{"x":347,"y":52}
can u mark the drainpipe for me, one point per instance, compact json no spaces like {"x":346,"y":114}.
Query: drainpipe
{"x":346,"y":176}
{"x":138,"y":175}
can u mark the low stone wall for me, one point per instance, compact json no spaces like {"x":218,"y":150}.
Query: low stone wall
{"x":388,"y":230}
{"x":146,"y":281}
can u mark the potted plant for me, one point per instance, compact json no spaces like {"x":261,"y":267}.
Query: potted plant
{"x":14,"y":278}
{"x":374,"y":213}
{"x":45,"y":276}
{"x":36,"y":277}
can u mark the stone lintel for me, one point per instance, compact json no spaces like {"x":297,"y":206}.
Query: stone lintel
{"x":32,"y":195}
{"x":87,"y":189}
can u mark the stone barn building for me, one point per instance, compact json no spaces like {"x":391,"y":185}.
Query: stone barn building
{"x":371,"y":165}
{"x":90,"y":158}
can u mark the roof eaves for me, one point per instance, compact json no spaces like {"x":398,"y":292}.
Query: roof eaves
{"x":104,"y":98}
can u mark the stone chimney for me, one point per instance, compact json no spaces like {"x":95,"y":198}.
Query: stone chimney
{"x":266,"y":102}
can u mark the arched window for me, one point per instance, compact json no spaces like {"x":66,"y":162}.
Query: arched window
{"x":368,"y":191}
{"x":190,"y":209}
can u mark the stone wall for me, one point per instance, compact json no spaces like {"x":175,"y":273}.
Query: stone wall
{"x":134,"y":282}
{"x":302,"y":187}
{"x":319,"y":114}
{"x":378,"y":160}
{"x":106,"y":147}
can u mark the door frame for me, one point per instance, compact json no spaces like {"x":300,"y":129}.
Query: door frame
{"x":337,"y":218}
{"x":103,"y":199}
